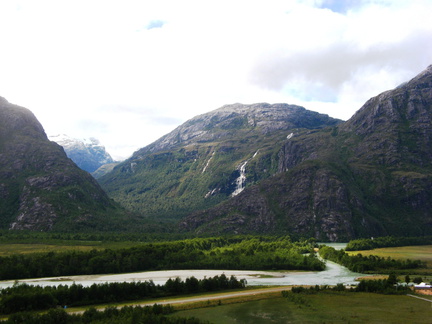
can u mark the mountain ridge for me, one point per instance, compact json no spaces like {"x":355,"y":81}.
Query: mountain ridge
{"x":369,"y":176}
{"x":88,"y":154}
{"x":240,"y":169}
{"x":197,"y":164}
{"x":199,"y":127}
{"x":42,"y":189}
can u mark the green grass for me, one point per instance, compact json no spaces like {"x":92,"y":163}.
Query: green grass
{"x":420,"y":252}
{"x":324,"y":307}
{"x":63,"y":246}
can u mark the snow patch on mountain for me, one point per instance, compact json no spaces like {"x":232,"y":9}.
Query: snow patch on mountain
{"x":89,"y":154}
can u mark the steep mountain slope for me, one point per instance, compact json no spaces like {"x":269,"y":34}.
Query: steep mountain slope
{"x":88,"y":154}
{"x":104,"y":169}
{"x":369,"y":176}
{"x":208,"y":159}
{"x":40,"y":188}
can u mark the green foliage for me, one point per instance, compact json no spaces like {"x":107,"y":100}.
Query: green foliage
{"x":387,"y":241}
{"x":417,"y":280}
{"x":360,"y":263}
{"x":87,"y":238}
{"x":24,"y":297}
{"x":381,"y":286}
{"x":248,"y":253}
{"x":156,"y":314}
{"x":195,"y":168}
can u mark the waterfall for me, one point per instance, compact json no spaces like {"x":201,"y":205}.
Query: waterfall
{"x":208,"y":162}
{"x":241,"y":180}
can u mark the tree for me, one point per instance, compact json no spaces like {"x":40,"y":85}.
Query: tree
{"x":392,"y":279}
{"x":417,"y":280}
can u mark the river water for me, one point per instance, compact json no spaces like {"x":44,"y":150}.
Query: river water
{"x":332,"y":275}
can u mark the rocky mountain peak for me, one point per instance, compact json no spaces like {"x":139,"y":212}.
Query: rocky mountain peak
{"x":388,"y":109}
{"x":15,"y":118}
{"x":230,"y":119}
{"x":369,"y":176}
{"x":88,"y":154}
{"x":396,"y":125}
{"x":40,"y":188}
{"x":209,"y":158}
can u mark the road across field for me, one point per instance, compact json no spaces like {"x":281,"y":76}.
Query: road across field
{"x":429,"y":300}
{"x":224,"y":295}
{"x":192,"y":299}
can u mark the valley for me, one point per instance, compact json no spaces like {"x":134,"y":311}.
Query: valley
{"x":255,"y":304}
{"x":260,"y":169}
{"x":246,"y":189}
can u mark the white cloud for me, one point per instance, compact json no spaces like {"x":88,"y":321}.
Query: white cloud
{"x":128,"y":72}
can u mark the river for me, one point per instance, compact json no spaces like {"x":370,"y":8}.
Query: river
{"x":332,"y":275}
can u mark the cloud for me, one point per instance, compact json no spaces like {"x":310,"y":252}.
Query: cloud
{"x":128,"y":72}
{"x":342,"y":57}
{"x":331,"y":68}
{"x":341,"y":6}
{"x":155,"y":24}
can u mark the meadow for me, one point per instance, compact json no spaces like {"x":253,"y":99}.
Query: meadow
{"x":420,"y":252}
{"x":324,"y":307}
{"x":61,"y":246}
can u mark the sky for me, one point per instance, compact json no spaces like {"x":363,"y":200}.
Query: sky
{"x":128,"y":72}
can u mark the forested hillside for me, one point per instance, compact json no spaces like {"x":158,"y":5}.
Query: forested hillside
{"x":369,"y":176}
{"x":208,"y":159}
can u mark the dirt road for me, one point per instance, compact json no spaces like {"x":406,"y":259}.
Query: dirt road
{"x":194,"y":299}
{"x":218,"y":296}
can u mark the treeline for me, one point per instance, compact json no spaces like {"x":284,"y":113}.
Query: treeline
{"x":381,"y":286}
{"x":31,"y":298}
{"x":239,"y":253}
{"x":387,"y":241}
{"x":360,"y":263}
{"x":156,"y":314}
{"x":24,"y":236}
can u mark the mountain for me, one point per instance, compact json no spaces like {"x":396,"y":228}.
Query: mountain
{"x":369,"y":176}
{"x":104,"y":169}
{"x":40,"y":187}
{"x":209,"y":158}
{"x":88,"y":154}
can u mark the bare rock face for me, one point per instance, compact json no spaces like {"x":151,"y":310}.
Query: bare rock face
{"x":369,"y":176}
{"x":40,"y":188}
{"x":88,"y":154}
{"x":222,"y":123}
{"x":209,"y":159}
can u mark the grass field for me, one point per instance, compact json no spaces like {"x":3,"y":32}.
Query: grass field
{"x":324,"y":307}
{"x":20,"y":248}
{"x":421,"y":252}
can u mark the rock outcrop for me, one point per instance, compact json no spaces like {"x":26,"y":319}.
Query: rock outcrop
{"x":369,"y":176}
{"x":88,"y":154}
{"x":40,"y":188}
{"x":208,"y":159}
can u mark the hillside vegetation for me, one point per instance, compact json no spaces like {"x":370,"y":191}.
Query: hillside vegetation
{"x":197,"y":165}
{"x":238,"y":253}
{"x":369,"y":176}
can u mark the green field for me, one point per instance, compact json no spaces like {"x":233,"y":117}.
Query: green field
{"x":24,"y":248}
{"x":324,"y":307}
{"x":420,"y":252}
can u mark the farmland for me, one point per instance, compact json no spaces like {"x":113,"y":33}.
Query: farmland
{"x":324,"y":307}
{"x":421,"y":252}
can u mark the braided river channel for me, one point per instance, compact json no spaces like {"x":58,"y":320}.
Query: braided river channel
{"x":332,"y":275}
